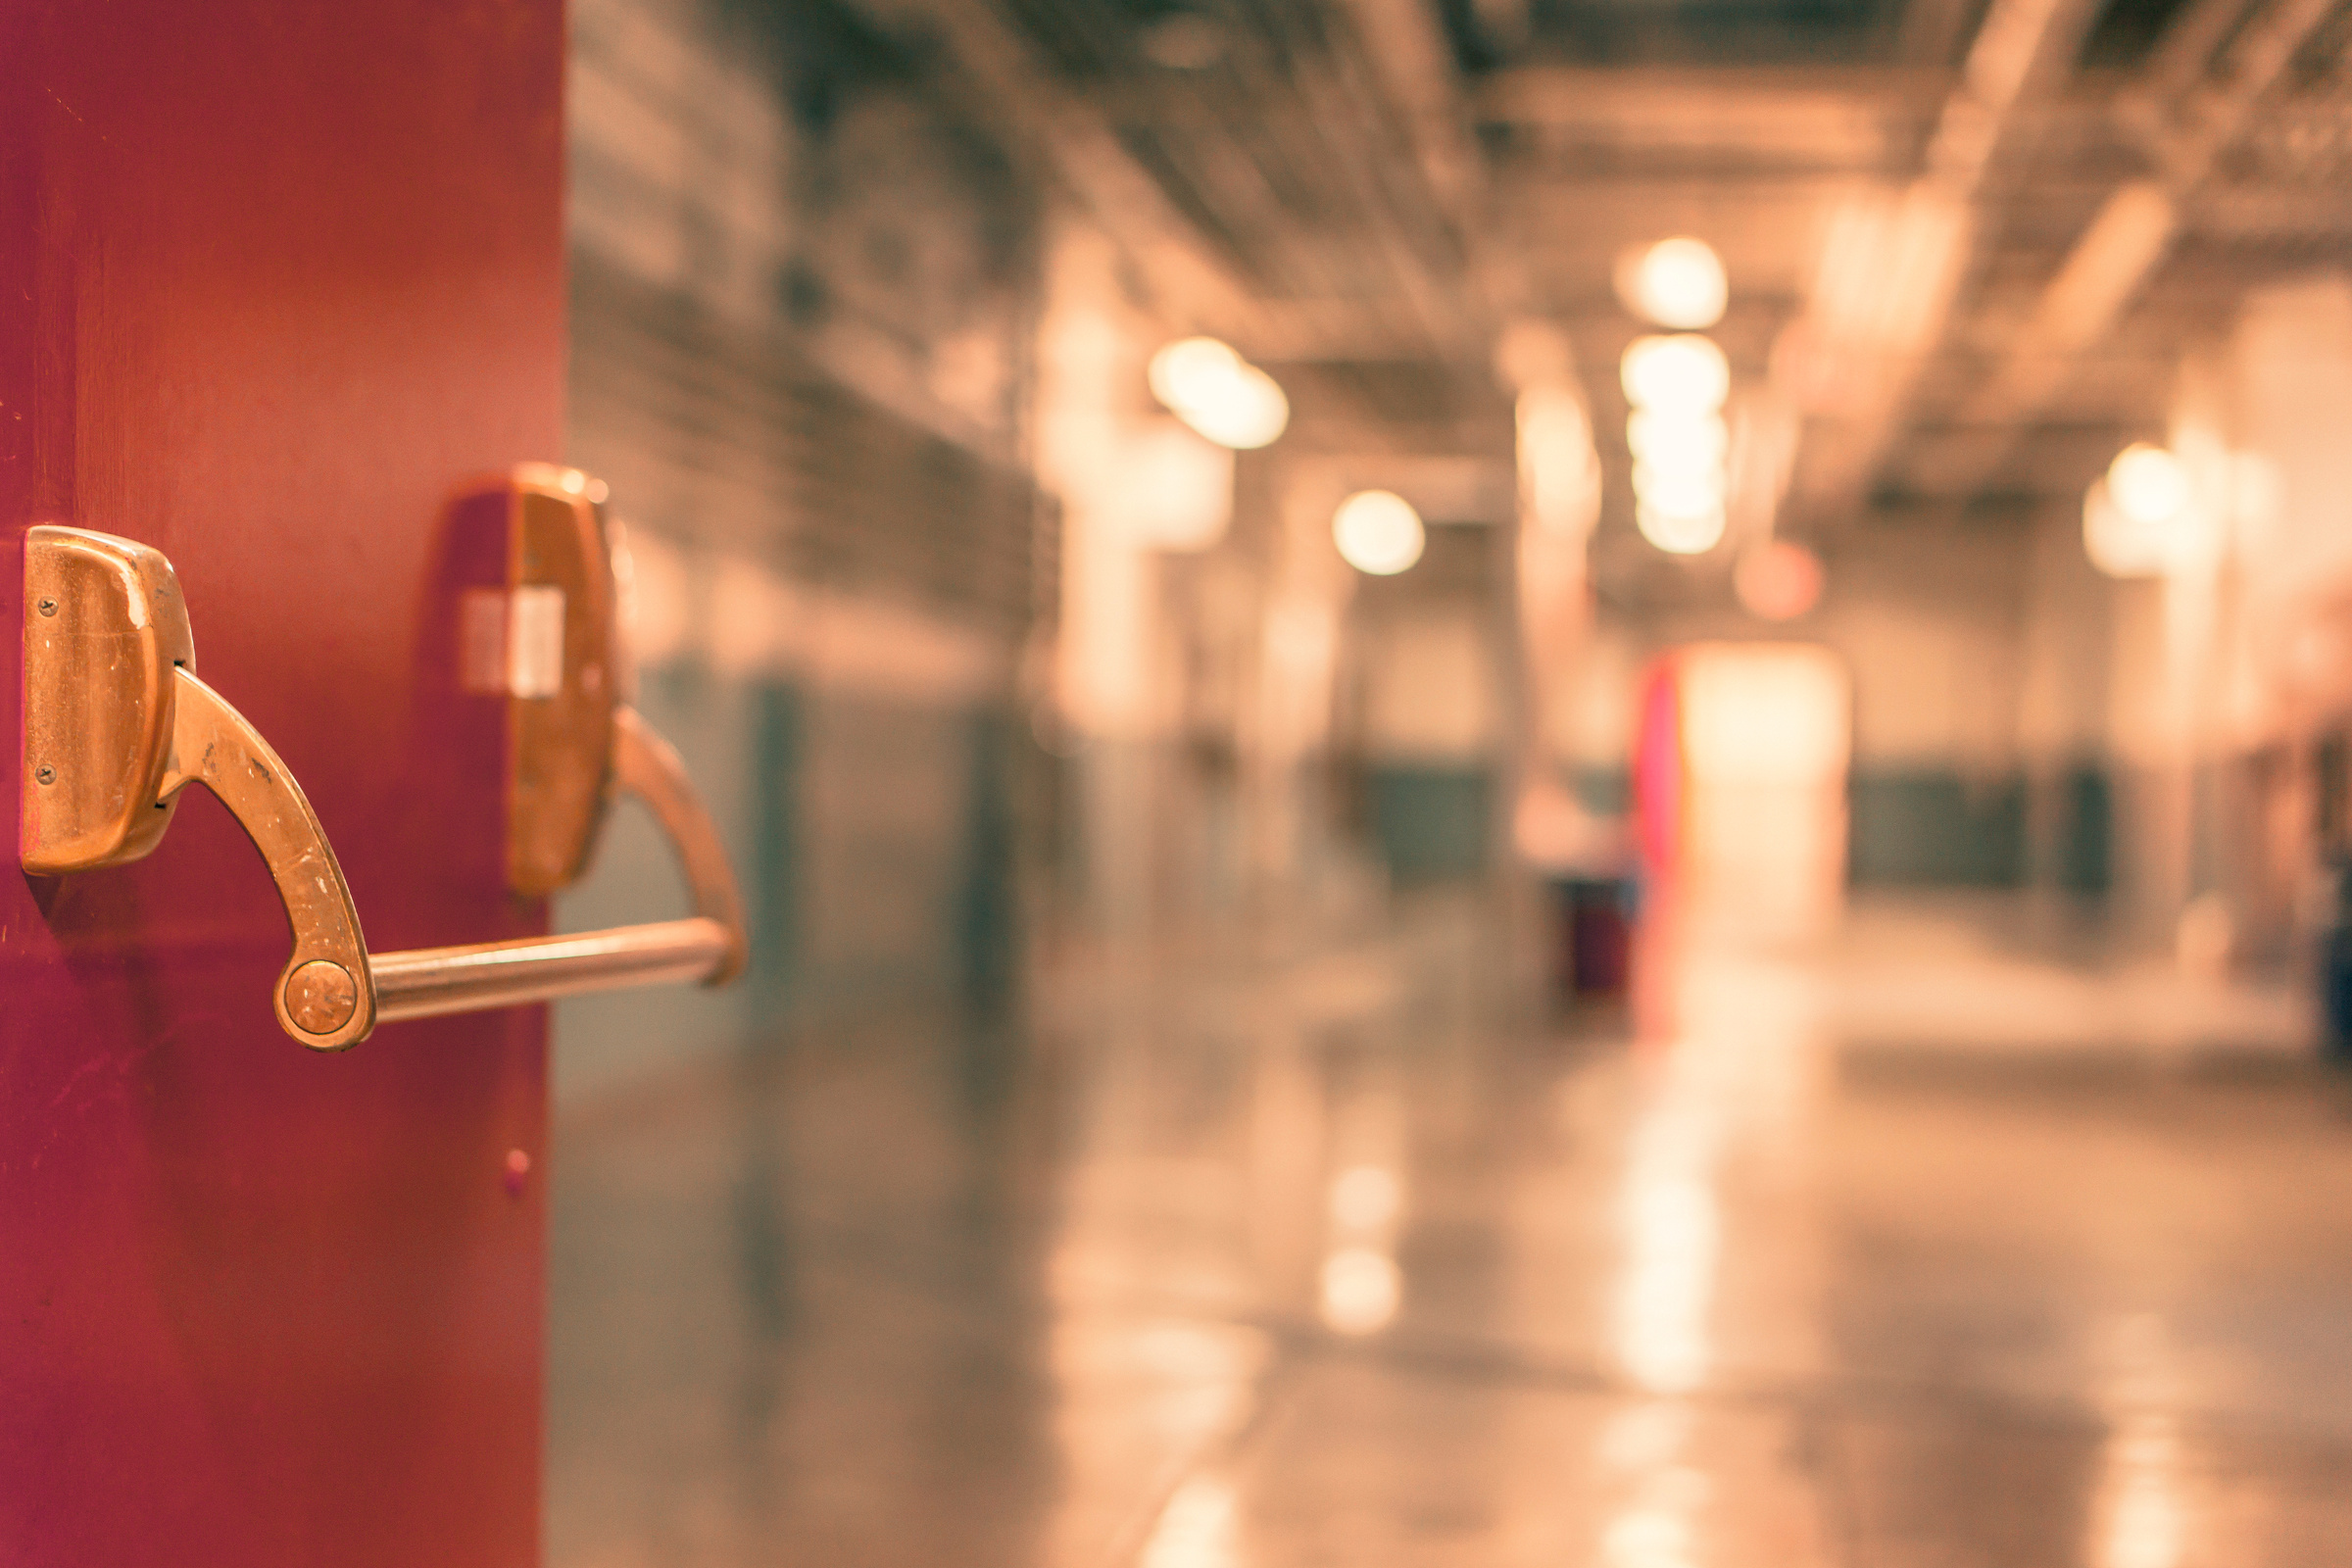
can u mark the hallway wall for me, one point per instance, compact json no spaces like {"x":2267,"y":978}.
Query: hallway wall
{"x":1930,"y":622}
{"x":1432,"y":732}
{"x":802,"y":298}
{"x":1929,"y":619}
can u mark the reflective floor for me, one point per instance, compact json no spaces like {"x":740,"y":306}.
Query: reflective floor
{"x":1318,"y":1259}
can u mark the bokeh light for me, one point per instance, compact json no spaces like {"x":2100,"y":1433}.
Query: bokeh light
{"x":1189,"y":368}
{"x":1677,"y":385}
{"x":1377,"y":533}
{"x":1672,"y":440}
{"x":2148,"y":518}
{"x":1677,"y":534}
{"x":1682,"y":374}
{"x":1360,"y":1290}
{"x":1677,"y":282}
{"x":2116,"y":543}
{"x":1780,"y":581}
{"x":1683,"y":491}
{"x":2148,"y":484}
{"x":1211,"y":388}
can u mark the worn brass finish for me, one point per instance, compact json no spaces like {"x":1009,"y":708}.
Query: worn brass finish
{"x":117,"y":724}
{"x":560,"y":730}
{"x":106,"y":629}
{"x":323,"y":998}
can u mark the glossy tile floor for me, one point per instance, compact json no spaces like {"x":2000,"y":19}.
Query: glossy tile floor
{"x":1312,"y":1259}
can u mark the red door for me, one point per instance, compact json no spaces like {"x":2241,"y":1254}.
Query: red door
{"x":276,"y":276}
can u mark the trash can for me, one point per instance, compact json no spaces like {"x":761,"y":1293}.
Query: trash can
{"x":1595,"y":929}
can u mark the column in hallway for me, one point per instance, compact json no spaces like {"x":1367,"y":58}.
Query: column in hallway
{"x":1180,"y":658}
{"x":1289,"y":726}
{"x":1108,"y":708}
{"x":2276,"y":477}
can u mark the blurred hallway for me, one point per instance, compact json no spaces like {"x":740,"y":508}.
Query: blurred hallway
{"x":1222,"y":564}
{"x":1302,"y":1255}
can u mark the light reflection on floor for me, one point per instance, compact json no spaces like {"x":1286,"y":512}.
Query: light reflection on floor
{"x":1312,"y":1259}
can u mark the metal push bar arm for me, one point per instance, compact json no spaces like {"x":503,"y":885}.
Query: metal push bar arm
{"x":708,"y":947}
{"x":322,"y":1000}
{"x":117,"y":723}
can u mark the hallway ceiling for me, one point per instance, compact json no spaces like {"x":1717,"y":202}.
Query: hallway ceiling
{"x":1968,"y":239}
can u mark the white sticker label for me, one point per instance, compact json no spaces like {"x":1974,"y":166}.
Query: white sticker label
{"x":535,"y":643}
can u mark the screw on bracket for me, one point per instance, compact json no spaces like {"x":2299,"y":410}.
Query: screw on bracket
{"x":48,"y":607}
{"x":45,"y":774}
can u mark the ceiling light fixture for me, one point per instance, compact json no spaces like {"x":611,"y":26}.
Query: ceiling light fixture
{"x":1684,"y":373}
{"x":1377,"y":533}
{"x":1685,"y":491}
{"x":1676,"y":283}
{"x":1219,"y":393}
{"x":1668,"y":439}
{"x":2148,"y":484}
{"x":1677,"y":535}
{"x":2148,"y":518}
{"x":1677,"y":385}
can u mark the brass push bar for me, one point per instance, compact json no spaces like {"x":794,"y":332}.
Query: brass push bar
{"x":709,"y":947}
{"x":117,"y":724}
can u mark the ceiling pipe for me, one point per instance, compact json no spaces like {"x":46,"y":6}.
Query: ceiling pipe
{"x":2134,"y":232}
